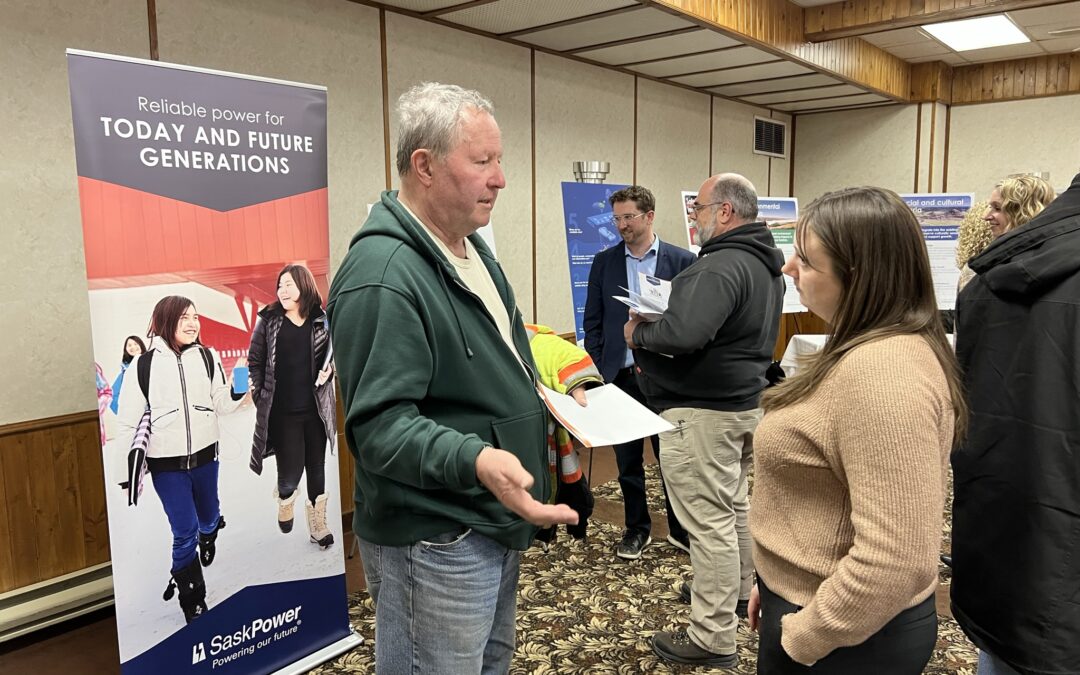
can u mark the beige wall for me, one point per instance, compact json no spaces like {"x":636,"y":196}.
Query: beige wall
{"x":501,"y":72}
{"x":673,"y":151}
{"x":857,"y":147}
{"x":990,"y":141}
{"x":986,"y":142}
{"x":575,"y":111}
{"x":582,"y":113}
{"x":46,"y":351}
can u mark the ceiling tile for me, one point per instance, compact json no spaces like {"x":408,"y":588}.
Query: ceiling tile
{"x":729,"y":58}
{"x":804,"y":94}
{"x":830,"y":102}
{"x":953,"y":59}
{"x":765,"y":86}
{"x":1061,"y":45}
{"x":745,"y":74}
{"x":1042,"y":32}
{"x":421,"y":5}
{"x":1036,"y":16}
{"x":608,"y":29}
{"x":507,"y":16}
{"x":928,"y":48}
{"x":903,"y":36}
{"x":1003,"y":53}
{"x":840,"y":108}
{"x":657,"y":48}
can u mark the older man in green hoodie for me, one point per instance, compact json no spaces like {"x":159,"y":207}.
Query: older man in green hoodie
{"x":441,"y":410}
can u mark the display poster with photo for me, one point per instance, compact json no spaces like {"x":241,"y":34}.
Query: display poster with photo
{"x":940,"y":216}
{"x":780,"y":214}
{"x":589,"y":230}
{"x":205,"y":224}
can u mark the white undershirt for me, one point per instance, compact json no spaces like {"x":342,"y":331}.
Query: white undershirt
{"x":474,"y":274}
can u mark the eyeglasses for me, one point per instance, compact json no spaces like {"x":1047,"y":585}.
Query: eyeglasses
{"x":625,"y":219}
{"x":698,"y":207}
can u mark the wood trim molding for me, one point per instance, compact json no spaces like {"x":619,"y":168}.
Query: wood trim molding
{"x":930,"y":151}
{"x":48,"y":423}
{"x":918,"y":144}
{"x":632,"y":40}
{"x":863,"y":17}
{"x":385,"y":96}
{"x":570,"y":22}
{"x":532,"y":149}
{"x":635,"y":129}
{"x":457,"y":8}
{"x":679,"y":56}
{"x":151,"y":23}
{"x":945,"y":164}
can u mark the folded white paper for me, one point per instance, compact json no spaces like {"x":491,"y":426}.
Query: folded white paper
{"x":611,"y":417}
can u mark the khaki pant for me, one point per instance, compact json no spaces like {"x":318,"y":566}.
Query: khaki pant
{"x":705,"y":461}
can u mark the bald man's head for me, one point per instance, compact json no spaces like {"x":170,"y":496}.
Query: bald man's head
{"x":739,"y":192}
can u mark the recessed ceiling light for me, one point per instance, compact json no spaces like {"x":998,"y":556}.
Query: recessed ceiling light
{"x":1064,"y":31}
{"x":980,"y":33}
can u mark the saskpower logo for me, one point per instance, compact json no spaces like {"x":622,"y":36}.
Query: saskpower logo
{"x":229,"y":647}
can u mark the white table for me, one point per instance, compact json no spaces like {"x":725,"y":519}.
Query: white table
{"x":801,"y":345}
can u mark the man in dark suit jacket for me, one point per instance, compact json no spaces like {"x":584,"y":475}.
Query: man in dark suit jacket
{"x":612,"y":270}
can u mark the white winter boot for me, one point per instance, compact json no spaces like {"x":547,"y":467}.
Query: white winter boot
{"x":316,"y":519}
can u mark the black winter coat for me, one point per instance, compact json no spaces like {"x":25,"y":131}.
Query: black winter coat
{"x":261,"y":362}
{"x":1016,"y":514}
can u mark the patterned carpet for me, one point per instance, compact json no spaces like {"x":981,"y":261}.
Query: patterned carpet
{"x":581,"y":610}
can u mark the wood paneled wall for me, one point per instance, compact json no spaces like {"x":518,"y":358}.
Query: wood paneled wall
{"x":777,"y":25}
{"x":859,"y":17}
{"x":931,"y":81}
{"x":1017,"y":79}
{"x":52,"y":499}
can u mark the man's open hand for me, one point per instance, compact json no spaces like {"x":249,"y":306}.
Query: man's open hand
{"x":502,"y":473}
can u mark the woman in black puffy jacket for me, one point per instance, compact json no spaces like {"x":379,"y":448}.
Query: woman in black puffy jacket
{"x":291,"y":372}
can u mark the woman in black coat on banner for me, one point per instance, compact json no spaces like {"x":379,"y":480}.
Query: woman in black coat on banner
{"x":289,"y":363}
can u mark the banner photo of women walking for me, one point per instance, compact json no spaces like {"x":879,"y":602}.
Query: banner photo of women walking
{"x":205,"y":225}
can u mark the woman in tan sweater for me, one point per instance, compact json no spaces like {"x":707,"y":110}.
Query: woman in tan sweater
{"x":852,"y":453}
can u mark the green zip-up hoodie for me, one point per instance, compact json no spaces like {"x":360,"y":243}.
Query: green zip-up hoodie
{"x":428,"y":382}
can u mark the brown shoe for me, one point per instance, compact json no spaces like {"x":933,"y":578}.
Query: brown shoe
{"x":678,"y":647}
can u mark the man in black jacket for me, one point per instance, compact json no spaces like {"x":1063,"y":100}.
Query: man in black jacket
{"x":1016,"y":512}
{"x":703,"y":365}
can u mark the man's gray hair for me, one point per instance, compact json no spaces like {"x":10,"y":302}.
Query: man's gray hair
{"x":430,"y":116}
{"x":740,"y":192}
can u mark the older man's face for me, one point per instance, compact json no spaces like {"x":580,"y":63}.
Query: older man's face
{"x":466,"y":183}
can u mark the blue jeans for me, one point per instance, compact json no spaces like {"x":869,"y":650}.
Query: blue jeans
{"x":191,"y":504}
{"x":444,"y":606}
{"x":992,"y":665}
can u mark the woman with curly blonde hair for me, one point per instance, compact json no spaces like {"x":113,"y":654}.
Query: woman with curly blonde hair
{"x":973,"y":236}
{"x":1015,"y":201}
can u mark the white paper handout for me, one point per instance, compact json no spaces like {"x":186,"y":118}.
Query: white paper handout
{"x":652,"y":302}
{"x":611,"y":416}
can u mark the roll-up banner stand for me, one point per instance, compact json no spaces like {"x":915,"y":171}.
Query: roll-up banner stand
{"x":589,"y":230}
{"x":197,"y":188}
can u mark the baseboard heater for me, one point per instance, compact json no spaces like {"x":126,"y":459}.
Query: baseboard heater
{"x":30,"y":608}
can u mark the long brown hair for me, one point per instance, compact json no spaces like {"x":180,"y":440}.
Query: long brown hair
{"x":877,"y":251}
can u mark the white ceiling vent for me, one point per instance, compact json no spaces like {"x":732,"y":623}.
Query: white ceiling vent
{"x":770,"y":137}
